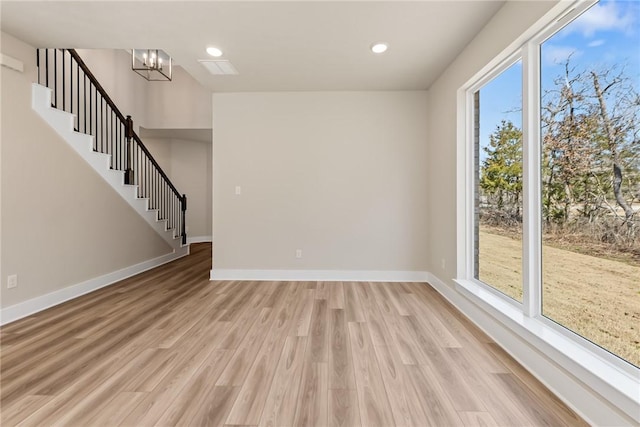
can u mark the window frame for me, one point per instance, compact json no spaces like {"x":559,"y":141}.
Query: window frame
{"x":613,"y":377}
{"x":505,"y":64}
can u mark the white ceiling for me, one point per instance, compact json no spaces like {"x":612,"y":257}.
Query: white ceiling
{"x":276,"y":46}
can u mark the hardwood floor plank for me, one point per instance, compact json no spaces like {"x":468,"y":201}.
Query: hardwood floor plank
{"x":280,"y":407}
{"x":236,"y":370}
{"x":312,"y":405}
{"x":215,"y":407}
{"x":537,"y":405}
{"x":169,"y":347}
{"x":247,"y":408}
{"x":394,"y":295}
{"x":353,"y":307}
{"x":11,"y":414}
{"x":153,"y":406}
{"x":98,"y":399}
{"x":408,"y":349}
{"x":429,"y":321}
{"x":372,"y":397}
{"x":340,"y":365}
{"x":319,"y":332}
{"x":116,"y":409}
{"x":438,"y":408}
{"x":149,"y":375}
{"x":237,"y":330}
{"x":380,"y":335}
{"x":197,"y":392}
{"x":483,"y":384}
{"x":336,"y":295}
{"x":392,"y":371}
{"x":343,"y":408}
{"x":477,"y":419}
{"x":322,"y":290}
{"x":302,"y":317}
{"x":436,"y":361}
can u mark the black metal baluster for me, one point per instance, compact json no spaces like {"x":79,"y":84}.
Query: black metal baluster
{"x":78,"y":93}
{"x":63,"y":82}
{"x":90,"y":113}
{"x":46,"y":73}
{"x":111,"y":138}
{"x":145,"y":176}
{"x":55,"y":78}
{"x":102,"y":125}
{"x":71,"y":84}
{"x":153,"y":187}
{"x":117,"y":161}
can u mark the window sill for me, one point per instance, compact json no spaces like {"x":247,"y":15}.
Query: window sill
{"x":620,"y":387}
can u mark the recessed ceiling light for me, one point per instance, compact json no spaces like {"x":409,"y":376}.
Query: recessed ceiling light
{"x":214,"y":51}
{"x":379,"y":47}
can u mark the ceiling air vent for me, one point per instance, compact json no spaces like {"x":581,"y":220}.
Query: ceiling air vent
{"x":219,"y":67}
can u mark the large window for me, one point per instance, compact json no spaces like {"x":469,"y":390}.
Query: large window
{"x":498,"y":182}
{"x":553,"y":214}
{"x":590,"y":173}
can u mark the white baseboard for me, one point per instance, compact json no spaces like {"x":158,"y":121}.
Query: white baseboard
{"x":198,"y":239}
{"x":560,"y":373}
{"x":34,"y":305}
{"x":321,"y":275}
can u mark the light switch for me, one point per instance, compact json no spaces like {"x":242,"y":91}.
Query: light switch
{"x":238,"y":190}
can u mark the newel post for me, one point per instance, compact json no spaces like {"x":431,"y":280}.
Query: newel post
{"x":128,"y":173}
{"x":183,"y":202}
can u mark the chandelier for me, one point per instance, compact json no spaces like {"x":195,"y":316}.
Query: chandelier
{"x":152,"y":64}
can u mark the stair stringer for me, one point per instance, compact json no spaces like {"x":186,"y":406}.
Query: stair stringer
{"x":62,"y":123}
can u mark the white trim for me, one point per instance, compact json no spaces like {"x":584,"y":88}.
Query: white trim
{"x":321,"y":275}
{"x":11,"y":63}
{"x":464,"y":181}
{"x":531,"y":229}
{"x":562,"y":365}
{"x":198,"y":239}
{"x":34,"y":305}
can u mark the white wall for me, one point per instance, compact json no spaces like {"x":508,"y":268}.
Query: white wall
{"x":182,"y":103}
{"x":188,"y":163}
{"x":112,"y":68}
{"x":340,"y":175}
{"x":61,"y":223}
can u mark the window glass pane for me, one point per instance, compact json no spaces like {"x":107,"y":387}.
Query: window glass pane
{"x":590,"y":75}
{"x":498,"y":182}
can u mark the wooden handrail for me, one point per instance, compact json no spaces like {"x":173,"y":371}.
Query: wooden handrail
{"x":96,"y":83}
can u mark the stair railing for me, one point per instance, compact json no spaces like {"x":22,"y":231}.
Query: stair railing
{"x":77,"y":91}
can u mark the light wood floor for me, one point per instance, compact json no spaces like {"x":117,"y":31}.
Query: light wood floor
{"x":168,"y":347}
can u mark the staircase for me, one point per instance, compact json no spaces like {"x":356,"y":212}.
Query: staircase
{"x":72,"y":101}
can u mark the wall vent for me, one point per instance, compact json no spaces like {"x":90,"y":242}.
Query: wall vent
{"x":219,"y":67}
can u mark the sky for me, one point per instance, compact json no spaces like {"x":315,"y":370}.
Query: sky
{"x":606,"y":35}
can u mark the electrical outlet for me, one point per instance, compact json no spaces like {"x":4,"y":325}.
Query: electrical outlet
{"x":298,"y":253}
{"x":443,"y":263}
{"x":12,"y":281}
